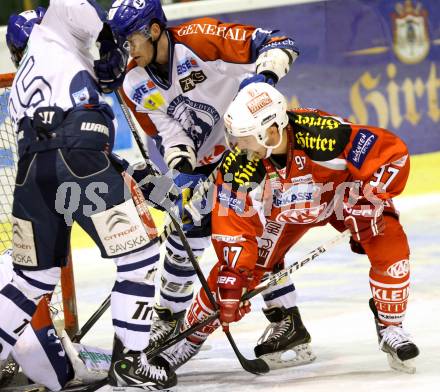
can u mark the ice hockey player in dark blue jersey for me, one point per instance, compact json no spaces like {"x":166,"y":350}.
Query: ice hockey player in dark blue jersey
{"x":67,"y":172}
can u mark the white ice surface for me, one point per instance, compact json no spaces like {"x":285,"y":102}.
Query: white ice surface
{"x":333,"y":298}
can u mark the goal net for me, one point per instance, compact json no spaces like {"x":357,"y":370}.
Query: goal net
{"x":63,"y":302}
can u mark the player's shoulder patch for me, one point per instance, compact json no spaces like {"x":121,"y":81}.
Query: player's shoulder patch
{"x":362,"y":144}
{"x":237,"y":170}
{"x":321,"y":137}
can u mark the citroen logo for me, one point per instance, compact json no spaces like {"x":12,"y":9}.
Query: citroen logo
{"x":16,"y":230}
{"x":116,"y":218}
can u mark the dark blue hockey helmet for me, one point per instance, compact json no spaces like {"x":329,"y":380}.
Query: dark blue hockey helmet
{"x":128,"y":16}
{"x":19,"y":29}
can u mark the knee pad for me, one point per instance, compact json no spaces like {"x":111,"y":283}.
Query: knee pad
{"x":177,"y":281}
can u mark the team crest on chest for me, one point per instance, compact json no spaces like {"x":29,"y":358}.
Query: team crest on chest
{"x":197,"y":118}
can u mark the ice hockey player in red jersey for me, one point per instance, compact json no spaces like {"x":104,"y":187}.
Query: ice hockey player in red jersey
{"x":290,"y":171}
{"x":179,"y":84}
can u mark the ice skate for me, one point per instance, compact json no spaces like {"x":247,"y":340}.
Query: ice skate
{"x":181,"y":353}
{"x":285,"y":342}
{"x":131,"y":369}
{"x":397,"y":344}
{"x":8,"y":370}
{"x":164,"y":326}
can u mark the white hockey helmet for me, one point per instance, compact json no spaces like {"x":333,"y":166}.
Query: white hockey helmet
{"x":255,"y":108}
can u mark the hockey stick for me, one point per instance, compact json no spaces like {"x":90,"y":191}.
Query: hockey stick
{"x":134,"y":132}
{"x":91,"y":321}
{"x":200,"y":193}
{"x":256,"y":366}
{"x":168,"y":229}
{"x":275,"y":278}
{"x":263,"y":285}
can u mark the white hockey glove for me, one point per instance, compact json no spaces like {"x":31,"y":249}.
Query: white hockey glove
{"x":90,"y":364}
{"x":271,"y":66}
{"x":275,"y":63}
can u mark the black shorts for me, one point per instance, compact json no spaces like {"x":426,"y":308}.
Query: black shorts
{"x":57,"y":187}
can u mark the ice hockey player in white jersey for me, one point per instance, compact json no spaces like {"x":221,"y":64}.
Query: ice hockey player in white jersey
{"x":67,"y":172}
{"x":39,"y":350}
{"x":179,"y":85}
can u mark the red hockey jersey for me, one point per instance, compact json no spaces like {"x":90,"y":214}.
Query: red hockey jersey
{"x":326,"y":155}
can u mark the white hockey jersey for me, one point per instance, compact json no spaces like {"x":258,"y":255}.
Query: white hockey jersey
{"x":5,"y":267}
{"x":208,"y":60}
{"x":57,"y":68}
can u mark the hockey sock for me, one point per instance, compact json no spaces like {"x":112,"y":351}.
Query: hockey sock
{"x":199,"y":310}
{"x":178,"y":274}
{"x":133,"y":296}
{"x":390,"y":292}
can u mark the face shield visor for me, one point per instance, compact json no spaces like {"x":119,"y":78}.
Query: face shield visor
{"x":127,"y":45}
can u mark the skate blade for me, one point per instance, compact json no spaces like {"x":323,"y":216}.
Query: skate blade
{"x":128,"y":389}
{"x":205,"y":347}
{"x":109,"y":388}
{"x":401,"y":366}
{"x":24,"y":388}
{"x":295,"y":356}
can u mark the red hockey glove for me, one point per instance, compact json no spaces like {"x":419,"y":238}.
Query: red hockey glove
{"x":231,"y":285}
{"x":364,"y":219}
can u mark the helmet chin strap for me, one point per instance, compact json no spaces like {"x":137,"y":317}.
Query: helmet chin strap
{"x":269,"y":149}
{"x":268,"y":152}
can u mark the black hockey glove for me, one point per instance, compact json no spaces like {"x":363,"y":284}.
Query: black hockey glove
{"x":110,"y":68}
{"x":159,"y":190}
{"x":181,"y":158}
{"x":171,"y":192}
